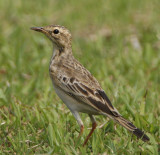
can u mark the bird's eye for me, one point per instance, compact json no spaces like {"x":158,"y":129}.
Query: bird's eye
{"x":56,"y":31}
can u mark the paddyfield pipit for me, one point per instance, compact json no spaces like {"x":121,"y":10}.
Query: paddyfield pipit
{"x":76,"y":86}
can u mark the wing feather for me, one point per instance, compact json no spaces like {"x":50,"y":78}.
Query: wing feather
{"x":96,"y":98}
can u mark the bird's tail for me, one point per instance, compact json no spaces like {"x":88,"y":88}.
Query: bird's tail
{"x":128,"y":125}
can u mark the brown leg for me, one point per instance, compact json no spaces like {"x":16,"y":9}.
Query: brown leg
{"x":77,"y":116}
{"x":94,"y":125}
{"x":81,"y":130}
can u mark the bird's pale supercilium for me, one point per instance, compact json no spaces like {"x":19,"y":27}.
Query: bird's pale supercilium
{"x":75,"y":85}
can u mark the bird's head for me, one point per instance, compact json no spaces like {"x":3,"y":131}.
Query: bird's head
{"x":59,"y":35}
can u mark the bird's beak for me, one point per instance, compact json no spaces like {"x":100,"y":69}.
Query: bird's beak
{"x":39,"y":29}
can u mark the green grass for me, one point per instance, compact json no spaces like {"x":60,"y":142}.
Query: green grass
{"x":118,"y":41}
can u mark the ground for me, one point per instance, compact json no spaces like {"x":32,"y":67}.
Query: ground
{"x":118,"y":41}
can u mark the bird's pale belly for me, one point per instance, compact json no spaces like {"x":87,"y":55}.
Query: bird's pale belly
{"x":73,"y":104}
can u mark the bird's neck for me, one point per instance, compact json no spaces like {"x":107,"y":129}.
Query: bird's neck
{"x":61,"y":51}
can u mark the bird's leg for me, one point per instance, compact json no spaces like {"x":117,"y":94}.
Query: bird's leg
{"x":94,"y":125}
{"x":81,"y":130}
{"x":78,"y":118}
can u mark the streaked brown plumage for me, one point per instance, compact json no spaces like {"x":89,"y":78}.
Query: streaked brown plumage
{"x":75,"y":85}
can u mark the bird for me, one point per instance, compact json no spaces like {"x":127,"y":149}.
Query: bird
{"x":77,"y":87}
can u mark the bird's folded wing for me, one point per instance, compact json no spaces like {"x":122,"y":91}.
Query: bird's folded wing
{"x":96,"y":98}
